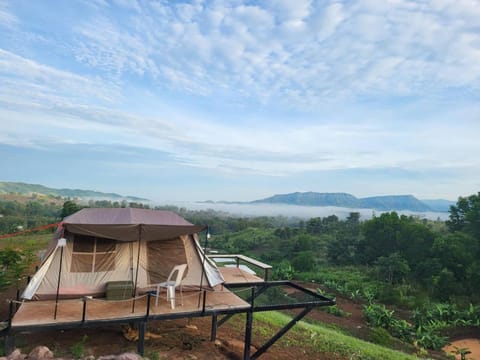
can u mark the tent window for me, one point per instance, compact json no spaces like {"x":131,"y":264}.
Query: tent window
{"x":92,"y":254}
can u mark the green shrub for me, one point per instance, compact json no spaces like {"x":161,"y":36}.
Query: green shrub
{"x":78,"y":348}
{"x":381,"y":336}
{"x":336,"y":311}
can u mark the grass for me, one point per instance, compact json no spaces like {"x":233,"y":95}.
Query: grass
{"x":34,"y":242}
{"x":319,"y":339}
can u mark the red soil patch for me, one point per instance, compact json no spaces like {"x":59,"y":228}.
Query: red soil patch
{"x":473,"y":345}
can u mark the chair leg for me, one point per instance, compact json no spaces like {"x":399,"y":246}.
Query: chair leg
{"x":157,"y":295}
{"x":171,"y":295}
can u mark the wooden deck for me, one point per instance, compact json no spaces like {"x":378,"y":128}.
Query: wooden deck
{"x":41,"y":313}
{"x":235,"y":275}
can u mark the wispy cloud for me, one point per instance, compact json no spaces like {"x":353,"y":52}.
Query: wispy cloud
{"x":34,"y":80}
{"x":7,"y":19}
{"x":297,"y":52}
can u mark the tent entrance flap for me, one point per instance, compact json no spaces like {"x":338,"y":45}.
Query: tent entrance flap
{"x":162,"y":257}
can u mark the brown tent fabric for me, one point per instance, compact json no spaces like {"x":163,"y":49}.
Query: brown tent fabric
{"x":122,"y":216}
{"x":129,"y":224}
{"x":159,"y":270}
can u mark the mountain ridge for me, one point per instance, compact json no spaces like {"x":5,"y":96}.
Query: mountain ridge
{"x":26,"y":188}
{"x":346,"y":200}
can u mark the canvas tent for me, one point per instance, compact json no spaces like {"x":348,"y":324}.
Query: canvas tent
{"x":120,"y":244}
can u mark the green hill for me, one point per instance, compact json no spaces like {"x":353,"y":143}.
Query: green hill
{"x":26,"y":189}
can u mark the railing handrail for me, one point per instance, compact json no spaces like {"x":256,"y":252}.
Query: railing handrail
{"x":243,"y":258}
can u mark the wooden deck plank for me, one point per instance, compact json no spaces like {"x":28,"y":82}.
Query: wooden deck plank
{"x":38,"y":313}
{"x":237,"y":275}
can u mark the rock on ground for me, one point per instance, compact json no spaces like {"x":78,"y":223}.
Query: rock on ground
{"x":43,"y":352}
{"x":40,"y":353}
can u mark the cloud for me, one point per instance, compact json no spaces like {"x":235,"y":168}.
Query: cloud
{"x":295,"y":53}
{"x":7,"y":19}
{"x":32,"y":80}
{"x":44,"y":105}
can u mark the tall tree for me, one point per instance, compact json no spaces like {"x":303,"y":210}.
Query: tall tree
{"x":69,"y":207}
{"x":465,"y":215}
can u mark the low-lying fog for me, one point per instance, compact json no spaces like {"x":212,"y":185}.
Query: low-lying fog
{"x":298,"y":211}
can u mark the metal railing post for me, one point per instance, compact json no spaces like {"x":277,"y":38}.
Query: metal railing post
{"x":84,"y":310}
{"x":149,"y":295}
{"x":204,"y":300}
{"x":10,"y":314}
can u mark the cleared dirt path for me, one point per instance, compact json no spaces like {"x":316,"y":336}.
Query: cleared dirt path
{"x":471,"y":344}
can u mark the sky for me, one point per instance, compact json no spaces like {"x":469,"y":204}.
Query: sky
{"x":239,"y":100}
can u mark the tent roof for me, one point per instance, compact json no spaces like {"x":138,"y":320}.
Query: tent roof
{"x":129,"y":224}
{"x":126,"y":216}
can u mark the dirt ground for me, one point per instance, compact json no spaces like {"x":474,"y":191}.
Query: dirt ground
{"x":473,"y":345}
{"x":170,"y":339}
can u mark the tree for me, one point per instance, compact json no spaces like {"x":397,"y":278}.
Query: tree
{"x":393,"y":268}
{"x":304,"y":261}
{"x":380,"y":237}
{"x":69,"y":207}
{"x":446,"y":285}
{"x":465,"y":216}
{"x":456,"y":252}
{"x":342,"y":249}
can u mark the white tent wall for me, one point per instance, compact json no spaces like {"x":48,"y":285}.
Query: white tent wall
{"x":37,"y":279}
{"x":74,"y":284}
{"x":157,"y":258}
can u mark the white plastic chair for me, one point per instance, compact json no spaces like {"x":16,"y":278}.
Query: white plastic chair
{"x":171,"y":284}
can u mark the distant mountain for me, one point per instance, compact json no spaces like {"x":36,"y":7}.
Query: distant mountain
{"x":439,"y":205}
{"x":383,"y":203}
{"x":23,"y":188}
{"x":312,"y":199}
{"x":394,"y":202}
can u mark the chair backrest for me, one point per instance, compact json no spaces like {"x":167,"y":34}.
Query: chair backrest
{"x":179,"y":269}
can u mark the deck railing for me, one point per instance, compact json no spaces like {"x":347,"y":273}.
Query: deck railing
{"x":239,"y":259}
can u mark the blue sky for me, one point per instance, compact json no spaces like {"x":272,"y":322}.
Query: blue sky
{"x":239,"y":100}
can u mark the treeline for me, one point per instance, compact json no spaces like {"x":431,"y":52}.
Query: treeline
{"x":439,"y":259}
{"x":23,"y":215}
{"x":15,"y":216}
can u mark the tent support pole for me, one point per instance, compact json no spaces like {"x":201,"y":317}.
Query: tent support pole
{"x":138,"y":265}
{"x":131,"y":259}
{"x":207,"y":234}
{"x":58,"y":283}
